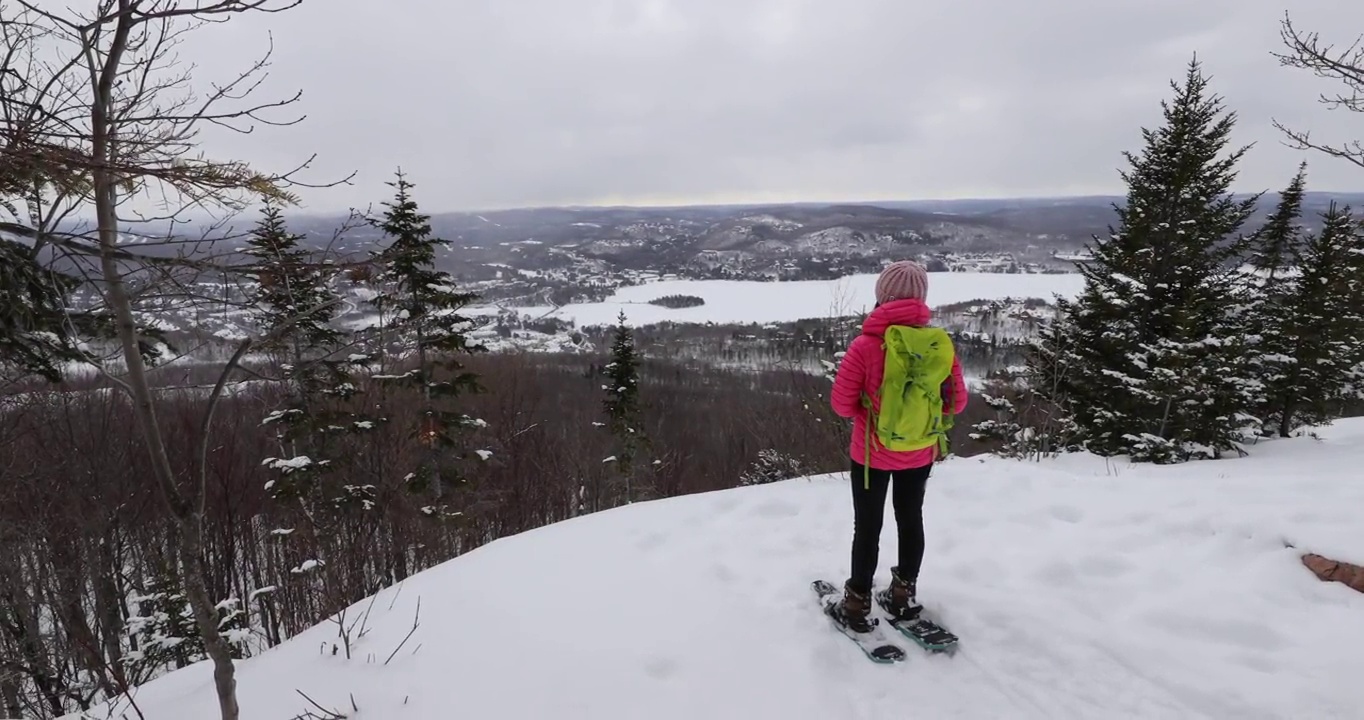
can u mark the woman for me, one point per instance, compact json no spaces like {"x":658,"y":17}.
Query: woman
{"x":900,"y":300}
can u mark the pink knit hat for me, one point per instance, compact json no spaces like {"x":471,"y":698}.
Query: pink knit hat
{"x":900,"y":281}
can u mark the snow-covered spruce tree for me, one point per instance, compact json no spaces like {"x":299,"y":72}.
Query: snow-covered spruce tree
{"x":1004,"y":430}
{"x":622,"y":408}
{"x":1275,"y":247}
{"x":295,"y":301}
{"x":41,"y":327}
{"x":419,"y":307}
{"x":1324,"y":328}
{"x":1149,"y":358}
{"x":771,"y":466}
{"x":295,"y":306}
{"x":310,"y":466}
{"x":1023,"y":425}
{"x":1276,"y":250}
{"x":162,"y":626}
{"x":33,"y":331}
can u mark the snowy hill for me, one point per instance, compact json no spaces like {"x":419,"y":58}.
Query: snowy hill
{"x":1081,"y":589}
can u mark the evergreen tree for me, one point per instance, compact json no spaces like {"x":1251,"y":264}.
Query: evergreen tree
{"x":772,"y":466}
{"x":1004,"y":429}
{"x":163,"y":628}
{"x":295,"y":307}
{"x":1276,"y":249}
{"x":421,"y":308}
{"x":34,"y":333}
{"x":295,"y":304}
{"x":40,"y":330}
{"x":1149,"y":358}
{"x":1022,"y":425}
{"x":622,"y":404}
{"x":1324,"y":330}
{"x":41,"y":326}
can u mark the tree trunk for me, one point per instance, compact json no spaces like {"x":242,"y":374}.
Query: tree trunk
{"x":119,"y":303}
{"x":9,"y":696}
{"x":108,"y":608}
{"x":20,"y":626}
{"x":70,"y":608}
{"x":206,"y":617}
{"x":189,"y":522}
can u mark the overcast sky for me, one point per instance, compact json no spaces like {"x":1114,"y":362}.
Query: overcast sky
{"x":501,"y":103}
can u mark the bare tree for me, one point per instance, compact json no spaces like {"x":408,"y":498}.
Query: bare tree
{"x":29,"y":164}
{"x":105,"y":108}
{"x":1344,"y":66}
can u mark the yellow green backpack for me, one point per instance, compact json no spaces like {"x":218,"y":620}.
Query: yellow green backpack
{"x":914,"y":413}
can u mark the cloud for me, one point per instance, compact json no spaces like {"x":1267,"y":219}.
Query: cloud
{"x":533,"y":102}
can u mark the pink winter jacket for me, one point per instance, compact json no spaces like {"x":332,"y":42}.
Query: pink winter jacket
{"x":860,"y":372}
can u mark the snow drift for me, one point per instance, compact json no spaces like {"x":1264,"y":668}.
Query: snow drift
{"x":1081,"y":589}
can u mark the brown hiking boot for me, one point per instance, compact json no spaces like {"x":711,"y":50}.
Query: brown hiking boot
{"x":899,"y":599}
{"x":854,"y":610}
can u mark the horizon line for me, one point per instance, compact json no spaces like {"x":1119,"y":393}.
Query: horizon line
{"x":786,"y":203}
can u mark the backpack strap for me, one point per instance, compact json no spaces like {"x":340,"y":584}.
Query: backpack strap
{"x":866,"y":452}
{"x":948,"y":419}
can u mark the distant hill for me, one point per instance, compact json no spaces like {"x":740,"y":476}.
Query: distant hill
{"x":805,"y":239}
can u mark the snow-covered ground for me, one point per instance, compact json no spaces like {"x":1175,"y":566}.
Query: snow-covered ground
{"x":1081,"y":589}
{"x":743,"y":301}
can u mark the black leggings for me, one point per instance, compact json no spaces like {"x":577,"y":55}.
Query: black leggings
{"x":869,"y":507}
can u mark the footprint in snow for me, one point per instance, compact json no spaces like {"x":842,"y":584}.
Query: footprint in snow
{"x":1057,"y":572}
{"x":1105,"y":566}
{"x":660,"y":668}
{"x":776,"y":509}
{"x":983,"y":572}
{"x":1233,"y":633}
{"x":651,"y":541}
{"x":1139,"y":517}
{"x":724,"y":505}
{"x":1067,"y":513}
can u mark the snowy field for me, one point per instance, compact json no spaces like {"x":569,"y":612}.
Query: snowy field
{"x":1081,"y":589}
{"x":739,"y":301}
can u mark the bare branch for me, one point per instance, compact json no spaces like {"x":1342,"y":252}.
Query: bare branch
{"x":1305,"y":51}
{"x":416,"y":623}
{"x":1351,"y":151}
{"x":326,"y":714}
